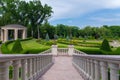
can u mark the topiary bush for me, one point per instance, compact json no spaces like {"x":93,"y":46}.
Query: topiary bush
{"x":17,"y":47}
{"x":47,"y":37}
{"x":105,"y":45}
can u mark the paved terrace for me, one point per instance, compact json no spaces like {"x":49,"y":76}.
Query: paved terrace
{"x":62,"y":70}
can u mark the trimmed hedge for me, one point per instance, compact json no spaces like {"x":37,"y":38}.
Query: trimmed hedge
{"x":105,"y":45}
{"x":4,"y":48}
{"x":90,"y":51}
{"x":17,"y":47}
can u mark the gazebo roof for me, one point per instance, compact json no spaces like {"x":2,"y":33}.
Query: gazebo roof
{"x":13,"y":26}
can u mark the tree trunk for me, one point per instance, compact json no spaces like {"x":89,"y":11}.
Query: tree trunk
{"x":38,"y":32}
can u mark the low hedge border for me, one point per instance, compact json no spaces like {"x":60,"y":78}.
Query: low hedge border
{"x":4,"y":48}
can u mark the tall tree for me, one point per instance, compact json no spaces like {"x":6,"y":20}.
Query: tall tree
{"x":31,"y":13}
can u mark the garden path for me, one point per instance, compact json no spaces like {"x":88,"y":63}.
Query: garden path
{"x":62,"y":70}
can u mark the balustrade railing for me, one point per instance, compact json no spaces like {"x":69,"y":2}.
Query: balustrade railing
{"x":78,"y":52}
{"x":24,"y":67}
{"x":62,"y":51}
{"x":98,"y":67}
{"x":49,"y":51}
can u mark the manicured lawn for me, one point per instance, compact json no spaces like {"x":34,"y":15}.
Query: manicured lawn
{"x":31,"y":46}
{"x":89,"y":46}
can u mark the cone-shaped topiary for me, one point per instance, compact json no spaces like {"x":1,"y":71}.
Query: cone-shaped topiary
{"x":17,"y":47}
{"x":105,"y":45}
{"x":47,"y":37}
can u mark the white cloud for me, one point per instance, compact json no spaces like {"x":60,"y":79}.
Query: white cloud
{"x":73,"y":8}
{"x":102,"y":19}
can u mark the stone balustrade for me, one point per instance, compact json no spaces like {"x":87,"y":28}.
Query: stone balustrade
{"x":24,"y":67}
{"x":62,"y":51}
{"x":46,"y":52}
{"x":78,"y":52}
{"x":97,"y":67}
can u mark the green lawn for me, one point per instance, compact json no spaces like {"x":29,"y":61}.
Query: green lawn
{"x":31,"y":46}
{"x":89,"y":46}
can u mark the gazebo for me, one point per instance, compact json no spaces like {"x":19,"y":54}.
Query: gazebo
{"x":13,"y":32}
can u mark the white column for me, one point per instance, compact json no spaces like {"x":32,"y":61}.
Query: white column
{"x":114,"y":69}
{"x":16,"y":34}
{"x":70,"y":50}
{"x":4,"y":70}
{"x":97,"y":70}
{"x":23,"y":70}
{"x":54,"y":50}
{"x":5,"y":35}
{"x":16,"y":70}
{"x":2,"y":35}
{"x":24,"y":34}
{"x":104,"y":70}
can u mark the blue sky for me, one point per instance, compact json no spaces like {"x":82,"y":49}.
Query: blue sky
{"x":85,"y":12}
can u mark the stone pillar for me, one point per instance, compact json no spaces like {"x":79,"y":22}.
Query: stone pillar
{"x":54,"y":50}
{"x":16,"y":34}
{"x":2,"y":35}
{"x":5,"y":35}
{"x":4,"y":70}
{"x":70,"y":50}
{"x":24,"y":34}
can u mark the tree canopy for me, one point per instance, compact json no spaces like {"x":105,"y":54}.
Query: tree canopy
{"x":31,"y":14}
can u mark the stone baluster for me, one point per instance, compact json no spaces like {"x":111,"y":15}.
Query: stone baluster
{"x":92,"y":70}
{"x":33,"y":67}
{"x":16,"y":70}
{"x":23,"y":69}
{"x":4,"y":70}
{"x":97,"y":70}
{"x":114,"y":68}
{"x":29,"y":68}
{"x":104,"y":70}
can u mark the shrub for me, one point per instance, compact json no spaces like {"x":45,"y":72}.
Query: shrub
{"x":0,"y":42}
{"x":117,"y":51}
{"x":39,"y":40}
{"x":49,"y":43}
{"x":17,"y":47}
{"x":105,"y":45}
{"x":90,"y":50}
{"x":4,"y":48}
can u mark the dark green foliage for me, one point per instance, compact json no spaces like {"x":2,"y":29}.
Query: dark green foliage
{"x":0,"y":42}
{"x":17,"y":47}
{"x":90,"y":51}
{"x":105,"y":45}
{"x":55,"y":37}
{"x":34,"y":51}
{"x":4,"y":48}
